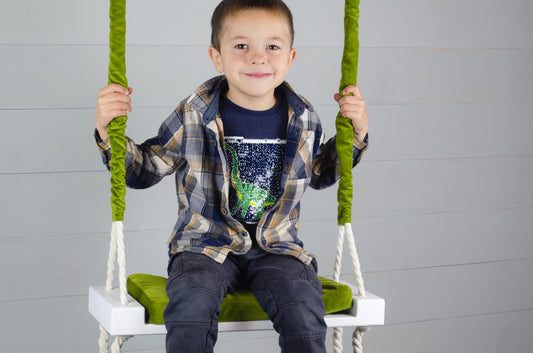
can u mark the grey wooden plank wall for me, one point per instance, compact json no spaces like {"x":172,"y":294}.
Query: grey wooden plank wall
{"x":444,"y":202}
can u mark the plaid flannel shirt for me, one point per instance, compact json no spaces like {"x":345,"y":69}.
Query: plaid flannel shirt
{"x":190,"y":145}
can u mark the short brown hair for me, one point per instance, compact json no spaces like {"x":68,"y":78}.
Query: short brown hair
{"x":227,"y":8}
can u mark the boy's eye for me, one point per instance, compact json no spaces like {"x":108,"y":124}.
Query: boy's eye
{"x":273,"y":47}
{"x":241,"y":46}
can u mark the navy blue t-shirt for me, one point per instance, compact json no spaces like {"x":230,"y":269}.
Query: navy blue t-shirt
{"x":255,"y":144}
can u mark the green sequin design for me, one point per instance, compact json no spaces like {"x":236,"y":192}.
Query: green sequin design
{"x":249,"y":195}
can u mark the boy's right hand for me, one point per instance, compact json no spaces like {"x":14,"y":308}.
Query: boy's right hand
{"x":113,"y":101}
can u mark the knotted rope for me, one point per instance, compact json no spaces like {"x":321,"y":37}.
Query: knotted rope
{"x":117,"y":139}
{"x":344,"y":145}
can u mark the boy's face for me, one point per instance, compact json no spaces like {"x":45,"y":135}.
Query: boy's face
{"x":255,"y":55}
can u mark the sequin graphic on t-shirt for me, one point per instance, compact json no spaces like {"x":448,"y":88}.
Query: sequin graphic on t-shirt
{"x":256,"y":166}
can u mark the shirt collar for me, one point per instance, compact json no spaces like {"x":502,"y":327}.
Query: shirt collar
{"x":209,"y":94}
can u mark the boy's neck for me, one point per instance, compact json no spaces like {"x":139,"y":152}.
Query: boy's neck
{"x":252,"y":103}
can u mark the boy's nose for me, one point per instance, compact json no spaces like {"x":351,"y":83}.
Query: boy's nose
{"x":257,"y":57}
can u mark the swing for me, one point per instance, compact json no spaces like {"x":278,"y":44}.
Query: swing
{"x":136,"y":306}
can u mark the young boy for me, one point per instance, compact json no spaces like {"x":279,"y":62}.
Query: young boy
{"x":243,"y":148}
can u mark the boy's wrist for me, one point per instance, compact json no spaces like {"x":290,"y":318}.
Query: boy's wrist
{"x":361,"y":135}
{"x":360,"y":142}
{"x":102,"y":133}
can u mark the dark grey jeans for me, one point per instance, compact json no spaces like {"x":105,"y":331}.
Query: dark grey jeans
{"x":288,"y":291}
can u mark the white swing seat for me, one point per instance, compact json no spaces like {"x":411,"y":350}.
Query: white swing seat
{"x":129,"y":320}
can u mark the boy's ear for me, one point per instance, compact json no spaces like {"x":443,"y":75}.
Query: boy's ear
{"x":214,"y":54}
{"x":292,"y":56}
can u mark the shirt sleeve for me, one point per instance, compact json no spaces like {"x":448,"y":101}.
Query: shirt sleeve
{"x":148,"y":163}
{"x":326,"y":162}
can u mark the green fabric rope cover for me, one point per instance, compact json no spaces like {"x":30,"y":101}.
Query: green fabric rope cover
{"x":117,"y":127}
{"x":345,"y":138}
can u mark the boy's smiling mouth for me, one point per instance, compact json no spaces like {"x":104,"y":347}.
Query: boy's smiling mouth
{"x":258,"y":75}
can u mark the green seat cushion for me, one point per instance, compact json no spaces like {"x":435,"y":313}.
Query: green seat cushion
{"x":241,"y":305}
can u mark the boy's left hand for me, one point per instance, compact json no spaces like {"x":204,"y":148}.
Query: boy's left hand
{"x":352,"y":106}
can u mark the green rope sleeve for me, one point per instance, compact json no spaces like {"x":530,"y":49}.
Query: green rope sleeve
{"x":117,"y":127}
{"x":344,"y":142}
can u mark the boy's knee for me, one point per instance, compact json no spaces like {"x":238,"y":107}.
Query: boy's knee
{"x":190,"y":336}
{"x":192,"y":297}
{"x":301,"y":318}
{"x":195,"y":293}
{"x":296,"y":308}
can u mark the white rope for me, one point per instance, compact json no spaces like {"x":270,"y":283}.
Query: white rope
{"x":357,"y":337}
{"x":118,"y":231}
{"x":116,"y":253}
{"x":337,"y":340}
{"x":117,"y":344}
{"x":103,"y":341}
{"x":346,"y":230}
{"x":355,"y":260}
{"x":338,"y":257}
{"x":111,"y":258}
{"x":337,"y":331}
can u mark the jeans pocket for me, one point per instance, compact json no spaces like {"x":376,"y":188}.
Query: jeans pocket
{"x":311,"y":271}
{"x":312,"y":275}
{"x":175,"y":266}
{"x":314,"y":264}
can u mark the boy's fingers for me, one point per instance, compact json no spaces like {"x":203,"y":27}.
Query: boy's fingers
{"x":352,"y":107}
{"x":122,"y":106}
{"x":113,"y":97}
{"x":119,"y":97}
{"x":352,"y":89}
{"x":115,"y":88}
{"x":351,"y":114}
{"x":349,"y":99}
{"x":117,"y":113}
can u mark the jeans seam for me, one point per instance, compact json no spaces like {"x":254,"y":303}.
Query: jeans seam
{"x":275,"y":308}
{"x":307,"y":335}
{"x":189,"y":323}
